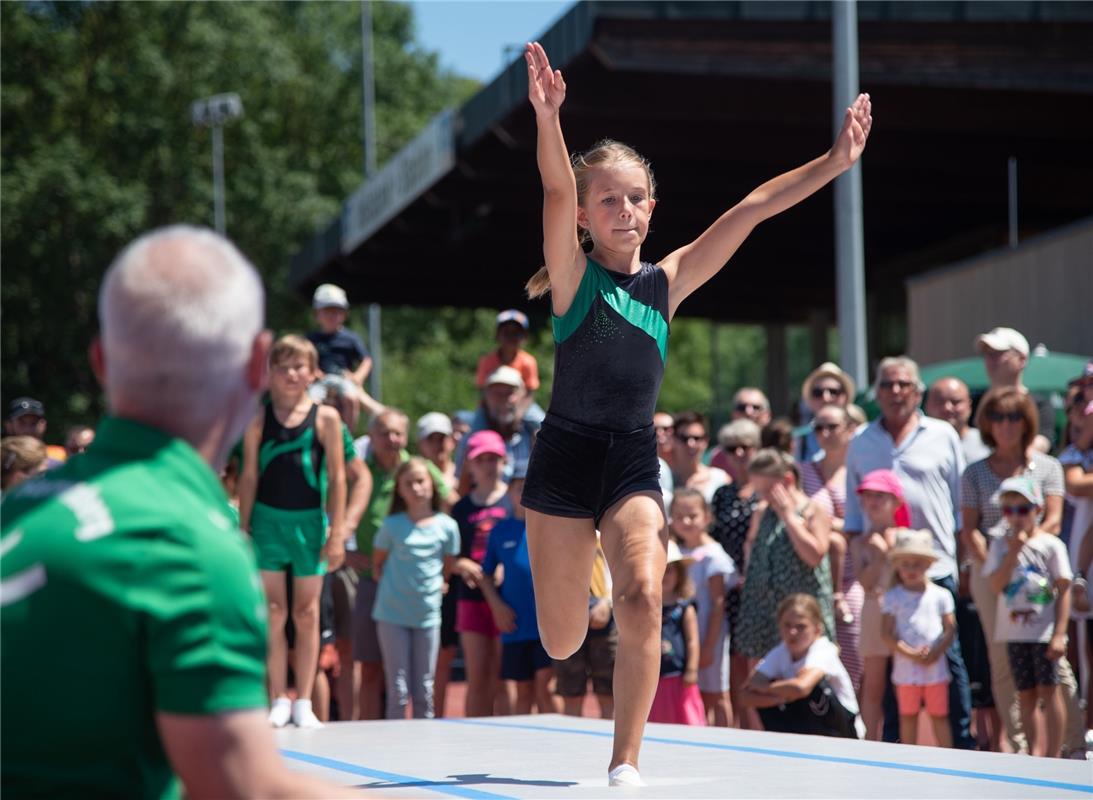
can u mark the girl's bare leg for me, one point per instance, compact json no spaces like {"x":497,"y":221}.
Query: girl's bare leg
{"x":562,"y":550}
{"x":634,"y":538}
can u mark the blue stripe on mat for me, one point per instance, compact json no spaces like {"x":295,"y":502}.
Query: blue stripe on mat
{"x":858,"y":762}
{"x":393,"y":777}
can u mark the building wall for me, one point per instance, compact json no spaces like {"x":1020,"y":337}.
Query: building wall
{"x":1043,"y":288}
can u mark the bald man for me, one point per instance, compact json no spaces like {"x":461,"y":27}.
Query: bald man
{"x":125,"y":566}
{"x":948,"y":399}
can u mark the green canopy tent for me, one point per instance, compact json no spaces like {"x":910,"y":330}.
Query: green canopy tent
{"x":1046,"y":371}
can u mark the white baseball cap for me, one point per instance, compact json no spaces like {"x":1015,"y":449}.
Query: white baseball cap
{"x":433,"y":422}
{"x":1001,"y":340}
{"x":505,"y":375}
{"x":328,"y":295}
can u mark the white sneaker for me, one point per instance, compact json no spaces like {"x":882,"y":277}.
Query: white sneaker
{"x":281,"y":712}
{"x":303,"y":716}
{"x":624,"y":775}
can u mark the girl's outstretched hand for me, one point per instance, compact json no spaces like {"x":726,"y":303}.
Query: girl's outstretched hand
{"x":546,"y":89}
{"x":855,"y":131}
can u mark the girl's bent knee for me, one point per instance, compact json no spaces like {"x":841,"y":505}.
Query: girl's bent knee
{"x":560,"y":647}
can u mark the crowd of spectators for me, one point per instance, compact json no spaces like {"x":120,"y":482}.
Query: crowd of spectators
{"x":912,"y":563}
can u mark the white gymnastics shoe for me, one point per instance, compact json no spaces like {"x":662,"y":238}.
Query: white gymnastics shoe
{"x":624,"y":775}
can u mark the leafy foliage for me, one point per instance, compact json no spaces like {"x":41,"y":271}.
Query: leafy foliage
{"x":97,"y":146}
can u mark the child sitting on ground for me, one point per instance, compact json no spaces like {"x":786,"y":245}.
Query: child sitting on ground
{"x":801,"y":686}
{"x":1030,"y":570}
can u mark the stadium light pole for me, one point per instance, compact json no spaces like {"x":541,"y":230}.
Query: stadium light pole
{"x":368,"y":131}
{"x":849,"y":245}
{"x":214,"y":112}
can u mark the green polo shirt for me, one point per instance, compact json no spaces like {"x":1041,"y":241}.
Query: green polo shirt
{"x":126,"y":590}
{"x":379,"y":504}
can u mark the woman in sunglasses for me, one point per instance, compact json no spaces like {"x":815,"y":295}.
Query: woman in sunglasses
{"x":823,"y":480}
{"x":827,"y":385}
{"x":1008,"y":422}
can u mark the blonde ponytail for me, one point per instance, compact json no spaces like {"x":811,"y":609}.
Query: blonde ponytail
{"x":538,"y":284}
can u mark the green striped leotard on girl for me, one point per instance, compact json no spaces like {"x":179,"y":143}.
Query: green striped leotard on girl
{"x":610,"y":347}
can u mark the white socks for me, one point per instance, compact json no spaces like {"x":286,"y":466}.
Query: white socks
{"x":299,"y":713}
{"x":303,"y":716}
{"x":624,"y":775}
{"x":281,"y":712}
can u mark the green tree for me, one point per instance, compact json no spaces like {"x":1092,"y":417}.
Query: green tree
{"x":97,"y":146}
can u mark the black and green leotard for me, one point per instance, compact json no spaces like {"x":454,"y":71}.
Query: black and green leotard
{"x":610,"y":348}
{"x":291,"y":472}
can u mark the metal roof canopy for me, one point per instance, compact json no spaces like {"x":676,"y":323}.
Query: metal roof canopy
{"x":720,"y":97}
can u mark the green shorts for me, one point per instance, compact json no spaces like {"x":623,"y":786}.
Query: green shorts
{"x":284,"y":537}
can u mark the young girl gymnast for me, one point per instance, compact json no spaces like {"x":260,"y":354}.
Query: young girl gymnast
{"x":595,"y":464}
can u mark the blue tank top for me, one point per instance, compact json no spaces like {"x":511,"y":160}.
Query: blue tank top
{"x":673,"y":645}
{"x":610,"y":348}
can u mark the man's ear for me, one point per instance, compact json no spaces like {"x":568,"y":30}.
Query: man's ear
{"x":98,"y":360}
{"x":258,"y":363}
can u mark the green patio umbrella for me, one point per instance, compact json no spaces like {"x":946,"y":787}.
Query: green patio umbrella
{"x":1046,"y":371}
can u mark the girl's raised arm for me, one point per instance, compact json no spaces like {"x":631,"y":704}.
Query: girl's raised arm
{"x":693,"y":264}
{"x":565,"y":260}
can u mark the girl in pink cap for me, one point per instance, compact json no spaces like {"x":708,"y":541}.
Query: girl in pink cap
{"x":886,"y":512}
{"x":484,"y":506}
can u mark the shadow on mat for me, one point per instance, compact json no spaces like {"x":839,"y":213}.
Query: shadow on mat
{"x":465,"y":780}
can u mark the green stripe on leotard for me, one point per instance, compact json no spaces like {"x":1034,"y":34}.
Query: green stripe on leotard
{"x":597,"y":283}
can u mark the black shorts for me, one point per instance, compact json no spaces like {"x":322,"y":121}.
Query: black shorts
{"x":521,"y":660}
{"x":448,"y":635}
{"x":595,"y":660}
{"x":577,"y":471}
{"x":1030,"y":665}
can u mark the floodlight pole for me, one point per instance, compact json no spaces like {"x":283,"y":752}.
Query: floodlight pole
{"x":849,"y":245}
{"x":218,"y":178}
{"x":368,"y":132}
{"x":214,"y":112}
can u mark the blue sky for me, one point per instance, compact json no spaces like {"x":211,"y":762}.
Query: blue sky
{"x":470,"y":36}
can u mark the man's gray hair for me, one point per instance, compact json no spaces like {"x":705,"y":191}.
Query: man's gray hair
{"x":390,"y":412}
{"x":899,"y":362}
{"x":179,"y":311}
{"x":741,"y":432}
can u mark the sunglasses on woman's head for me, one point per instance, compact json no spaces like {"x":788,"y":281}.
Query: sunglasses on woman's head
{"x":1017,"y":511}
{"x":1007,"y":416}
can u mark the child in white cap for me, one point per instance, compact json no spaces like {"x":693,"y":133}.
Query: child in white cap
{"x":919,"y":624}
{"x":1030,"y":570}
{"x":344,"y":361}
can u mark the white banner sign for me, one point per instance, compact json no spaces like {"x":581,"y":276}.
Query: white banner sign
{"x":416,"y":167}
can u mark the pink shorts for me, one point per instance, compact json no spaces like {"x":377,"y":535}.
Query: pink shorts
{"x":934,"y":695}
{"x":474,"y":616}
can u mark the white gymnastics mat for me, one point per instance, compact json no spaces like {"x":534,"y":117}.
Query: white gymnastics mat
{"x":554,"y":756}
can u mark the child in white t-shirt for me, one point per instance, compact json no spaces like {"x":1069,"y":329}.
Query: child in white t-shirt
{"x":713,"y":573}
{"x":1030,"y":570}
{"x":801,"y":686}
{"x":919,"y":624}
